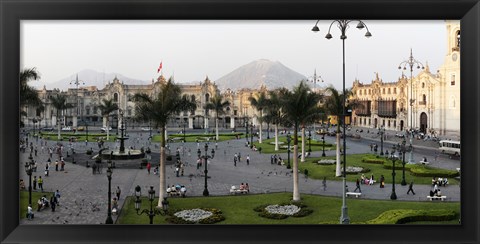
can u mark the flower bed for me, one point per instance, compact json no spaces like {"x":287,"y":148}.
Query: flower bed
{"x":196,"y":216}
{"x":279,"y":143}
{"x":327,"y":161}
{"x":283,"y":211}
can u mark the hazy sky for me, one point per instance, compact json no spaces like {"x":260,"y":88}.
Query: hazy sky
{"x":190,"y":50}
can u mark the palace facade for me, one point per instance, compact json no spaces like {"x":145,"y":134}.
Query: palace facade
{"x":429,"y":102}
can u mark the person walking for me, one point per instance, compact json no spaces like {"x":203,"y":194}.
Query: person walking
{"x":248,"y":159}
{"x":118,"y":192}
{"x":410,"y":188}
{"x":62,"y":165}
{"x":149,"y":166}
{"x":235,"y":160}
{"x":53,"y":203}
{"x":29,"y":212}
{"x":35,"y":182}
{"x":47,"y":169}
{"x":357,"y":186}
{"x":56,"y":165}
{"x":57,"y":197}
{"x":40,"y":183}
{"x":324,"y":183}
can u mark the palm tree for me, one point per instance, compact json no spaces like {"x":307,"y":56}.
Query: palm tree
{"x":107,"y":107}
{"x":260,"y":103}
{"x":59,"y":102}
{"x":28,"y":94}
{"x":300,"y":107}
{"x":159,"y":110}
{"x":334,"y":106}
{"x":274,"y":112}
{"x":218,"y":106}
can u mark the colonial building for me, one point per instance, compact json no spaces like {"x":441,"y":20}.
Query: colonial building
{"x":89,"y":98}
{"x":435,"y":96}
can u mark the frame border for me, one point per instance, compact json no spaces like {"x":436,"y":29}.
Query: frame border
{"x":12,"y":11}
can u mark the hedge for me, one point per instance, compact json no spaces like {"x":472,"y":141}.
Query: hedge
{"x":402,"y":216}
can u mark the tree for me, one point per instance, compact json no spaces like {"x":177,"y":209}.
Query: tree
{"x":273,"y":111}
{"x":59,"y":102}
{"x":28,"y":94}
{"x":260,"y":104}
{"x":159,"y":110}
{"x":334,"y":106}
{"x":300,"y":107}
{"x":218,"y":106}
{"x":107,"y":107}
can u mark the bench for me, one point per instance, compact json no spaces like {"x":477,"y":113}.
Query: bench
{"x":356,"y":194}
{"x":437,"y":197}
{"x":238,"y":191}
{"x":424,"y":163}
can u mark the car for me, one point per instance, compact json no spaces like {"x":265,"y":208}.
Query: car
{"x":80,"y":128}
{"x":47,"y":129}
{"x":105,"y":129}
{"x":68,"y":128}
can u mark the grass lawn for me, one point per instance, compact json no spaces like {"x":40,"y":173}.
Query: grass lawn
{"x":268,"y":145}
{"x":81,"y":136}
{"x":318,"y":171}
{"x":200,"y":137}
{"x":239,"y":209}
{"x":24,"y":201}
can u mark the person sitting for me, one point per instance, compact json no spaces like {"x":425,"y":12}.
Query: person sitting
{"x":370,"y":182}
{"x":39,"y":204}
{"x":114,"y":205}
{"x":183,"y":191}
{"x":247,"y":188}
{"x":439,"y":193}
{"x":242,"y":187}
{"x":445,"y":181}
{"x":155,"y":170}
{"x":22,"y":184}
{"x":169,"y":190}
{"x":432,"y":193}
{"x":362,"y":179}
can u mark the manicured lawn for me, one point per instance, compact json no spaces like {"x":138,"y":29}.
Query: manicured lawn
{"x":268,"y":145}
{"x":200,"y":137}
{"x":318,"y":171}
{"x":239,"y":209}
{"x":24,"y":200}
{"x":81,"y":136}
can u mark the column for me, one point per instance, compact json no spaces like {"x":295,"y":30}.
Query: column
{"x":232,"y":122}
{"x":190,"y":123}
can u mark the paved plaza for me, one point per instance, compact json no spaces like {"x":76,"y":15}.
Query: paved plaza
{"x":84,"y":195}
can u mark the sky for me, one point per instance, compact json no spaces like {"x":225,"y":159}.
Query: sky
{"x":191,"y":50}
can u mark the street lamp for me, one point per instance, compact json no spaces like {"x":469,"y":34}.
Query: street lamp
{"x":28,"y":170}
{"x":393,"y":196}
{"x":309,"y":141}
{"x":184,"y":124}
{"x":288,"y":150}
{"x":151,"y":196}
{"x":109,"y":176}
{"x":206,"y":157}
{"x":411,"y":62}
{"x":402,"y":151}
{"x":314,"y":79}
{"x":381,"y":131}
{"x":343,"y":25}
{"x":323,"y":140}
{"x":246,"y":129}
{"x":76,"y":82}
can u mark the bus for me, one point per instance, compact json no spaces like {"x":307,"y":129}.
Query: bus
{"x":450,"y":147}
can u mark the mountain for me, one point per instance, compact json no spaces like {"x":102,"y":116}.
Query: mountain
{"x":260,"y":72}
{"x":90,"y":78}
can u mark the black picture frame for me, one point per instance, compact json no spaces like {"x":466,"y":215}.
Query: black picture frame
{"x":12,"y":12}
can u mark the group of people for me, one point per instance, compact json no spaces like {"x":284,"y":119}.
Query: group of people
{"x":244,"y":187}
{"x":177,"y":190}
{"x":439,"y":181}
{"x":44,"y":202}
{"x":276,"y":159}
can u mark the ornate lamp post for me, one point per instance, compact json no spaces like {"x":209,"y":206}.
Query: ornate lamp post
{"x":76,"y":82}
{"x":109,"y":177}
{"x":411,"y":62}
{"x":403,"y":150}
{"x":315,"y":79}
{"x":393,"y":196}
{"x":288,"y":150}
{"x":343,"y":25}
{"x":151,"y":196}
{"x":205,"y":158}
{"x":323,"y":140}
{"x":28,"y":170}
{"x":381,"y":131}
{"x":246,"y":129}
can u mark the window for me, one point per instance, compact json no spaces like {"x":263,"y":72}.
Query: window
{"x":115,"y":97}
{"x":234,"y":112}
{"x":452,"y":79}
{"x":394,"y":90}
{"x":383,"y":90}
{"x":360,"y":92}
{"x":388,"y":90}
{"x":423,"y":84}
{"x":388,"y":123}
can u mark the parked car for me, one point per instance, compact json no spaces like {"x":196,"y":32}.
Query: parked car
{"x":68,"y":128}
{"x":104,"y":129}
{"x":80,"y":128}
{"x":47,"y":129}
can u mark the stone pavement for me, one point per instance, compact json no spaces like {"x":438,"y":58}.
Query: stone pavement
{"x":84,"y":195}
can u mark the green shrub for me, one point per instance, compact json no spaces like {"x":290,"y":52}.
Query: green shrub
{"x":373,"y":160}
{"x":433,"y":172}
{"x":401,"y":216}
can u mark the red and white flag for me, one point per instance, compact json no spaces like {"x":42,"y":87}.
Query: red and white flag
{"x":159,"y":67}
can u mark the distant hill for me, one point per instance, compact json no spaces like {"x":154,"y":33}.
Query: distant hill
{"x":260,"y":72}
{"x":90,"y":78}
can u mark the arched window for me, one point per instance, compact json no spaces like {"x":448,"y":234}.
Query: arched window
{"x":207,"y":98}
{"x":423,"y":84}
{"x":115,"y":97}
{"x":394,"y":90}
{"x":388,"y":90}
{"x":193,"y":98}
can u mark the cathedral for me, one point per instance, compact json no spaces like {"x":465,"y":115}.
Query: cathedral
{"x":429,"y":101}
